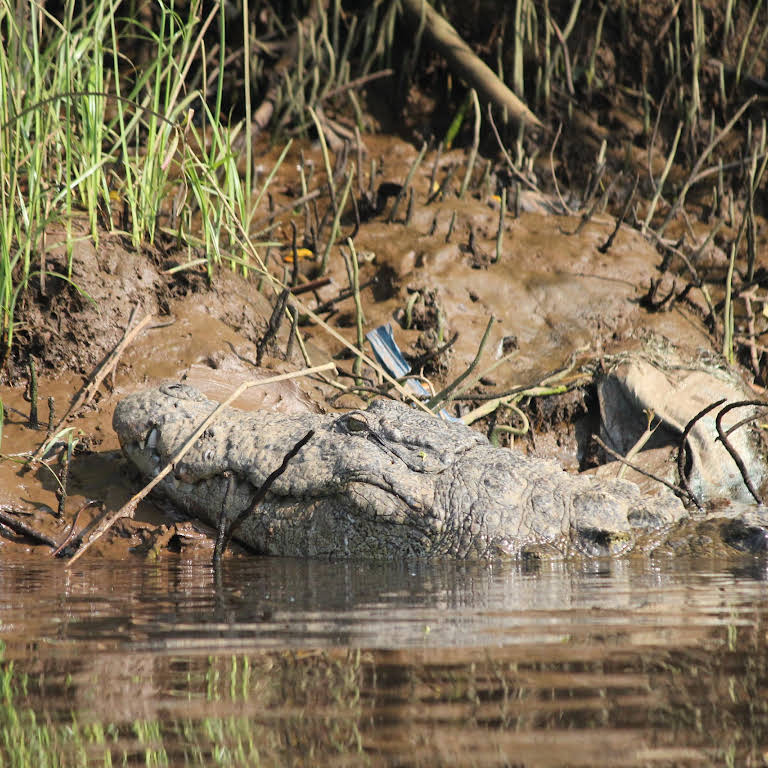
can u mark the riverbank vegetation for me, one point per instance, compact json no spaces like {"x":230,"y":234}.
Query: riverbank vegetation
{"x":141,"y":121}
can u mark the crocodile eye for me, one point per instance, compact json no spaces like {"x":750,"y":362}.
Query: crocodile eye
{"x":356,"y":425}
{"x":353,"y":423}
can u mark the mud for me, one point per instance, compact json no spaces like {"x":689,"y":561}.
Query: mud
{"x":558,"y":296}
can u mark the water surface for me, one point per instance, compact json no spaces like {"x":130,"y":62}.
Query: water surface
{"x":284,"y":661}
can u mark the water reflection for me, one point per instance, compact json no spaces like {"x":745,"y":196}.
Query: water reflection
{"x":607,"y":663}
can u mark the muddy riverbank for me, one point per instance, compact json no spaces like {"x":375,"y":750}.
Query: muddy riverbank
{"x":562,"y":301}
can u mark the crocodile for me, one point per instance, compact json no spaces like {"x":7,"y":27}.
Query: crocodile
{"x":386,"y":482}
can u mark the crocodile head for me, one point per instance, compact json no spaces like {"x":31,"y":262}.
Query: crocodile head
{"x":385,"y":482}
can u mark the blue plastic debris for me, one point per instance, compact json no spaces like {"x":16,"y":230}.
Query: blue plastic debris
{"x":389,"y":356}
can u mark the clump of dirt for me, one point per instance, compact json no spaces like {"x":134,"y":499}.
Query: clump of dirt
{"x":69,"y":326}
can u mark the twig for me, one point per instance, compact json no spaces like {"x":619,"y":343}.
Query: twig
{"x":681,"y":453}
{"x":343,"y":294}
{"x":273,"y":326}
{"x":407,"y":183}
{"x":105,"y":367}
{"x":500,"y":230}
{"x":475,"y":144}
{"x":731,"y":450}
{"x":33,"y":422}
{"x":312,"y":285}
{"x":565,"y":205}
{"x":71,"y":532}
{"x":679,"y":492}
{"x":465,"y":63}
{"x":444,"y":394}
{"x":356,"y":83}
{"x":25,"y":530}
{"x":641,"y":441}
{"x":504,"y":152}
{"x":354,"y":279}
{"x":225,"y":534}
{"x":701,"y":160}
{"x":625,"y":210}
{"x":129,"y":508}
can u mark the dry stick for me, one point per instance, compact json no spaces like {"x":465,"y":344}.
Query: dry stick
{"x":224,"y":535}
{"x":638,"y":446}
{"x":741,"y":423}
{"x":720,"y":167}
{"x":356,"y":83}
{"x":504,"y":152}
{"x":444,"y":394}
{"x":566,"y":207}
{"x":682,"y":450}
{"x":345,"y":293}
{"x":33,"y":422}
{"x":433,"y":175}
{"x":106,"y":366}
{"x":310,"y":285}
{"x":25,"y":530}
{"x":702,"y":158}
{"x":440,"y":191}
{"x":129,"y":508}
{"x":451,"y":224}
{"x":407,"y":183}
{"x":728,"y":447}
{"x":440,"y":34}
{"x":67,"y":540}
{"x":605,"y":247}
{"x":475,"y":145}
{"x":354,"y":280}
{"x":679,"y":492}
{"x":500,"y":230}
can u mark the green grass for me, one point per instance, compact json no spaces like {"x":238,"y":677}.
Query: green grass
{"x":86,"y":133}
{"x":106,"y":121}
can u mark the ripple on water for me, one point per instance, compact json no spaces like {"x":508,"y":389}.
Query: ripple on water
{"x":606,"y":663}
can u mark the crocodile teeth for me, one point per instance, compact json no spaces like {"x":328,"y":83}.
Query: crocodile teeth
{"x":151,"y":440}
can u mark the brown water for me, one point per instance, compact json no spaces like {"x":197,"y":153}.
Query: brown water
{"x":316,"y":663}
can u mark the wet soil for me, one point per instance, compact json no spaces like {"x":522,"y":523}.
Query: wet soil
{"x":559,"y":297}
